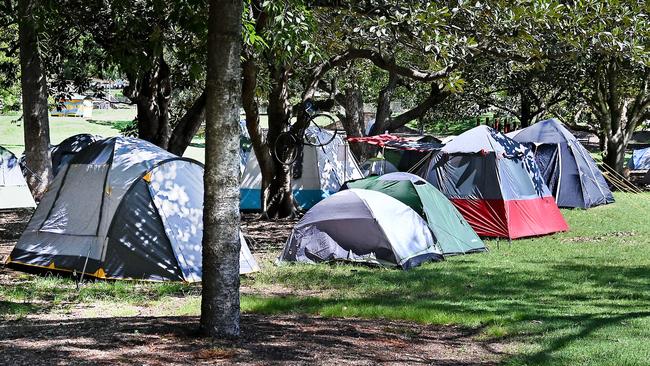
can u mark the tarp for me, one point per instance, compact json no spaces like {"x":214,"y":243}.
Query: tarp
{"x":566,"y":166}
{"x":121,"y":209}
{"x":451,"y":231}
{"x":362,"y":226}
{"x":640,"y":159}
{"x":397,"y":142}
{"x":496,"y":185}
{"x":14,"y":191}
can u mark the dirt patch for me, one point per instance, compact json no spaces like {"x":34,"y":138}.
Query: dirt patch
{"x":592,"y":239}
{"x":12,"y":225}
{"x":281,"y":340}
{"x":265,"y":236}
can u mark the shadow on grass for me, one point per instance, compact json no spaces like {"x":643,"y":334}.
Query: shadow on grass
{"x":10,"y":308}
{"x":57,"y":289}
{"x":589,"y":325}
{"x":533,"y":302}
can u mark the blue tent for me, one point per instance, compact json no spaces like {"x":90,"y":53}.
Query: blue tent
{"x":569,"y":171}
{"x":640,"y":159}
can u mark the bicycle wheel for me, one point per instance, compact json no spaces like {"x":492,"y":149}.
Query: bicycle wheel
{"x":321,"y":137}
{"x":285,"y":149}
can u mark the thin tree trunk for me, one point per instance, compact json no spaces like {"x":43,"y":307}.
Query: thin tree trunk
{"x":251,"y":109}
{"x":280,"y":202}
{"x":383,"y":115}
{"x":151,"y":94}
{"x":220,"y":312}
{"x":187,"y":127}
{"x":352,"y":102}
{"x":526,"y":117}
{"x":34,"y":95}
{"x":436,"y":96}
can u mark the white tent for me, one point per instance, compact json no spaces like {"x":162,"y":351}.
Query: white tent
{"x":14,"y":192}
{"x":319,"y":173}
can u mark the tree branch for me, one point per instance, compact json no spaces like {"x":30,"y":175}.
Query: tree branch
{"x":436,"y":96}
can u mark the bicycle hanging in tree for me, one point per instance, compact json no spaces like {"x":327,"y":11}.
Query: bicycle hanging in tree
{"x":288,"y":143}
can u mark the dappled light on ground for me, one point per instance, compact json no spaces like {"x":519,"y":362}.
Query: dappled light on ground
{"x":278,"y":339}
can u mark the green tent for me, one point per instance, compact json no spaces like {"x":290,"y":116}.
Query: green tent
{"x":452,"y":232}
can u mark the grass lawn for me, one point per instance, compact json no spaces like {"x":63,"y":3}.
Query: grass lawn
{"x":12,"y":138}
{"x":580,"y":297}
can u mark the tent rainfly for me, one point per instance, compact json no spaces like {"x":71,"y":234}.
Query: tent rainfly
{"x":65,"y":151}
{"x":318,"y":173}
{"x":495,"y":184}
{"x":14,"y":191}
{"x":566,"y":166}
{"x":121,"y":209}
{"x":362,"y":226}
{"x":450,"y":230}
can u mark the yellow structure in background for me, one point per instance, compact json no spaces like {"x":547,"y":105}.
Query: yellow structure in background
{"x":75,"y":106}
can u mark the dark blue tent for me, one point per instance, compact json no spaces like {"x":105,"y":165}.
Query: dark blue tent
{"x":569,"y":171}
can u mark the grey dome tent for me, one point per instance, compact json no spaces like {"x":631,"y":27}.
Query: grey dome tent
{"x":65,"y":151}
{"x":121,"y":209}
{"x":362,"y":226}
{"x":14,"y":192}
{"x":451,"y":231}
{"x":566,"y":166}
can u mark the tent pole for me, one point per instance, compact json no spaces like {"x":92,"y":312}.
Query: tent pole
{"x":83,"y":270}
{"x":345,"y":163}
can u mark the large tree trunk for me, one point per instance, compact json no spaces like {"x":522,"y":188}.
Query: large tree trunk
{"x":615,"y":154}
{"x":220,"y":284}
{"x":34,"y":95}
{"x":280,"y":202}
{"x":151,"y":93}
{"x":187,"y":127}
